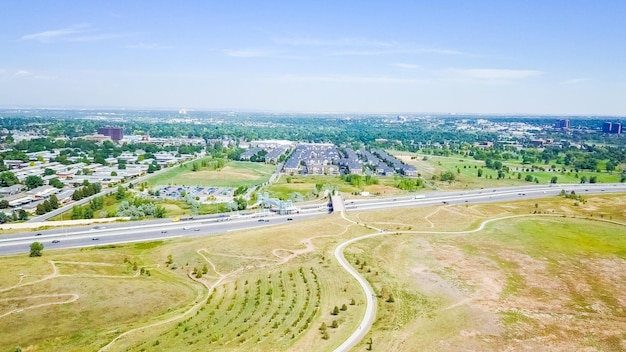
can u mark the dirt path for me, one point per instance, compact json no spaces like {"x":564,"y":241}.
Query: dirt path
{"x":199,"y":301}
{"x":365,"y":324}
{"x":72,"y":298}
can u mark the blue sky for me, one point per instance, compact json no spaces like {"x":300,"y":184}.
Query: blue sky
{"x":539,"y":57}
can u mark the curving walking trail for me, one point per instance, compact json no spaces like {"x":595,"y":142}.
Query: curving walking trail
{"x":370,"y":299}
{"x":71,"y":297}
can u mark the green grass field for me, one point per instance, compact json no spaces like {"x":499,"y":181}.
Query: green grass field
{"x":466,"y":172}
{"x":233,"y":175}
{"x":306,"y":184}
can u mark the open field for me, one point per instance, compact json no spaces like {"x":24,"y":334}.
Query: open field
{"x":466,"y":169}
{"x":550,"y":281}
{"x":233,"y":174}
{"x":543,"y":274}
{"x":306,"y":184}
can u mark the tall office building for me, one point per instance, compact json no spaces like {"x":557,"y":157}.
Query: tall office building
{"x":563,"y":123}
{"x":616,"y":128}
{"x":116,"y":133}
{"x":606,"y":127}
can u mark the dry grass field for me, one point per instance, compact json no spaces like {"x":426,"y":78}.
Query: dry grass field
{"x":551,"y":281}
{"x":543,"y":274}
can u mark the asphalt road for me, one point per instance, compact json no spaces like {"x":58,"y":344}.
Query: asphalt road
{"x":212,"y":225}
{"x":106,"y":234}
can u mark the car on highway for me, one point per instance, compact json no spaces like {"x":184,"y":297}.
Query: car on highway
{"x":55,"y":241}
{"x":95,"y":239}
{"x":164,"y":231}
{"x":289,"y":219}
{"x":261,"y":220}
{"x":185,"y":228}
{"x":196,"y":229}
{"x":39,"y":234}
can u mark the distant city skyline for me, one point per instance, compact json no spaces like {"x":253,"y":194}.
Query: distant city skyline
{"x":532,"y":57}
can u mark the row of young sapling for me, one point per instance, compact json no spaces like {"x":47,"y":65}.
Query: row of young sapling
{"x":283,"y":302}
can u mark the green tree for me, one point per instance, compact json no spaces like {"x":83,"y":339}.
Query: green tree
{"x":77,"y":212}
{"x":35,"y":249}
{"x":610,"y":166}
{"x":121,"y":193}
{"x":22,"y":214}
{"x":447,"y":176}
{"x":241,"y":203}
{"x":159,"y":212}
{"x":56,"y":183}
{"x":54,"y":201}
{"x":553,"y":179}
{"x":49,"y":172}
{"x":33,"y":181}
{"x":8,"y":179}
{"x":40,"y":209}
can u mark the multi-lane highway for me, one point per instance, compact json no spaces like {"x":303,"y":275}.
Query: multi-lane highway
{"x":124,"y":232}
{"x":213,"y":225}
{"x":504,"y":194}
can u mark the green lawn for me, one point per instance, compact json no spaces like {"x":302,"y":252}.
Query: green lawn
{"x":466,"y":172}
{"x":234,"y":174}
{"x":306,"y":184}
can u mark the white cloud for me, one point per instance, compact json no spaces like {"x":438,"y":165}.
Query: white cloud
{"x":575,"y":80}
{"x":368,"y":52}
{"x":244,"y":53}
{"x":77,"y":33}
{"x":492,"y":74}
{"x":405,"y":66}
{"x":147,"y":46}
{"x":56,"y":34}
{"x":96,"y":37}
{"x":30,"y":75}
{"x":443,"y":51}
{"x":348,"y":79}
{"x":353,"y":42}
{"x":23,"y":73}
